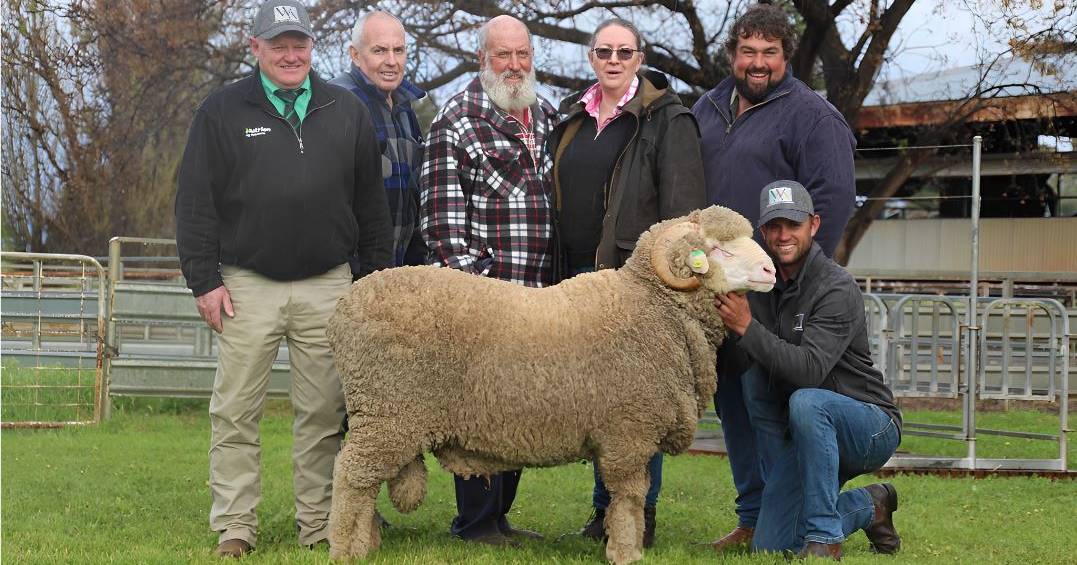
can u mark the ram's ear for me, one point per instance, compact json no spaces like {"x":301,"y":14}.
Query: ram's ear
{"x":670,"y":254}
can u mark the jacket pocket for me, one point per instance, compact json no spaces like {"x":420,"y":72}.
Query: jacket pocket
{"x":624,"y":250}
{"x":501,"y":173}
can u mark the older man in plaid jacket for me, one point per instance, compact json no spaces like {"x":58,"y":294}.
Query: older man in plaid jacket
{"x":485,"y":202}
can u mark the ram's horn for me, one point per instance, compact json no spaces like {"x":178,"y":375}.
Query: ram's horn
{"x":660,"y":257}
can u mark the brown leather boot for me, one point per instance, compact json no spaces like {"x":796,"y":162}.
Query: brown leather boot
{"x":824,"y":550}
{"x":739,"y":538}
{"x":881,"y":533}
{"x":234,"y":548}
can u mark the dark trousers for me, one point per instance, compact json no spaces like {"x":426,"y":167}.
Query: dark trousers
{"x":740,"y":445}
{"x":600,"y":498}
{"x":481,"y":506}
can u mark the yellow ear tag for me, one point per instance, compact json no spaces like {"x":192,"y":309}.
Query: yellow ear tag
{"x":698,"y":262}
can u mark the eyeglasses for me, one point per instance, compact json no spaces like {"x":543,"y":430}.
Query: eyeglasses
{"x":623,"y":53}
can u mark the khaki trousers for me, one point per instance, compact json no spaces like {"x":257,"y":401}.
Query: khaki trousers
{"x":266,"y":311}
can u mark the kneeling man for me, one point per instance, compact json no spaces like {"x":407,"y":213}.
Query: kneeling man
{"x":819,"y":408}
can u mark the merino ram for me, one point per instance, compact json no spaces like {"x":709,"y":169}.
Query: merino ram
{"x":490,"y":376}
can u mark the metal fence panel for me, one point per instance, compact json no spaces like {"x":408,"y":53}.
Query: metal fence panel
{"x":1024,"y":349}
{"x":157,"y":343}
{"x":923,"y":346}
{"x":53,"y":339}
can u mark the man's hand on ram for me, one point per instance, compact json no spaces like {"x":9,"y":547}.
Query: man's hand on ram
{"x":734,"y":310}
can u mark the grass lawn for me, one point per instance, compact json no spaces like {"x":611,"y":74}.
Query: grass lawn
{"x":133,"y":490}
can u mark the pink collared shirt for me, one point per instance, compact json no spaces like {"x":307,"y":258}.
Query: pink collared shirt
{"x":592,"y":102}
{"x":526,"y":135}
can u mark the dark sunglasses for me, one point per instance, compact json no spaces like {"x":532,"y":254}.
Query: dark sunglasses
{"x":623,"y":54}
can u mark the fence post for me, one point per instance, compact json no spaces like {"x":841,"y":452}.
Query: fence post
{"x":972,"y":364}
{"x":35,"y":336}
{"x":112,"y":340}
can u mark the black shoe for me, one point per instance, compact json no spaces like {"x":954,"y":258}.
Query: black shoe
{"x":595,"y":528}
{"x":649,"y":523}
{"x":380,"y":520}
{"x":519,"y":533}
{"x":881,"y":533}
{"x":495,"y":539}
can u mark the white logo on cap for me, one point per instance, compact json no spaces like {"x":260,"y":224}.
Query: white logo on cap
{"x":780,"y":195}
{"x":285,"y":14}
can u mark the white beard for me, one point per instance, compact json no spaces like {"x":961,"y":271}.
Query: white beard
{"x":507,"y":97}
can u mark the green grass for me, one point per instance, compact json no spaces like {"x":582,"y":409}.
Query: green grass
{"x":991,"y":446}
{"x":133,"y":490}
{"x":46,"y":394}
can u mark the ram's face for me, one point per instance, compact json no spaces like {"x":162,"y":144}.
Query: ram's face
{"x":713,"y":249}
{"x":744,"y":264}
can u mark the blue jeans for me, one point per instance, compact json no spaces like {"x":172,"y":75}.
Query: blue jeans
{"x":600,"y":498}
{"x":828,"y":439}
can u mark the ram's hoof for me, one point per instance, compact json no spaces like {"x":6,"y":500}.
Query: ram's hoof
{"x":623,"y":556}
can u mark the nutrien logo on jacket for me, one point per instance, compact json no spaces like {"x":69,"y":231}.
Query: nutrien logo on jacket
{"x":255,"y":132}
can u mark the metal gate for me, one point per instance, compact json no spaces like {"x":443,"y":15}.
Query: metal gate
{"x":53,"y":339}
{"x":923,"y":346}
{"x":157,"y":343}
{"x":1016,"y":349}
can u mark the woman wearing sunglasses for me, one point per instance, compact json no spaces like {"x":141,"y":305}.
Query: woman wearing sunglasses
{"x":626,"y":155}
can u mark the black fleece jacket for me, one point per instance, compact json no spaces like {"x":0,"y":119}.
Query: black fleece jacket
{"x":811,"y":332}
{"x":256,"y":194}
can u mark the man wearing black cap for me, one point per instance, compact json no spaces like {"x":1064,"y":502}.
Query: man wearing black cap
{"x":819,"y":408}
{"x":279,"y":186}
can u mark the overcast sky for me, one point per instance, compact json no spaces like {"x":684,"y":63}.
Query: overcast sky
{"x":942,"y":34}
{"x":935,"y":35}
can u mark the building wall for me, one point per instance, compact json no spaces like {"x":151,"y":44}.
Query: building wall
{"x":1043,"y":247}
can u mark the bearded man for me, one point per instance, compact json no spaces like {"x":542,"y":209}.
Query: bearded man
{"x":758,"y":125}
{"x":485,"y":201}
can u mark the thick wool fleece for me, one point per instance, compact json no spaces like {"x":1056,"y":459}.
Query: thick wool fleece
{"x":492,"y":376}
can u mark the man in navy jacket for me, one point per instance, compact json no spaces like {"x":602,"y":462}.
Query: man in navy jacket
{"x":759,"y":125}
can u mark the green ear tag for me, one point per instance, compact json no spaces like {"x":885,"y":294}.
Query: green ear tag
{"x":698,"y":262}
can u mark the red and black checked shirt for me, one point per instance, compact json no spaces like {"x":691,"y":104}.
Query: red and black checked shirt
{"x":485,"y":200}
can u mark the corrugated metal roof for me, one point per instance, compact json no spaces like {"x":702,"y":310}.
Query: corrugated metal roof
{"x":961,"y":82}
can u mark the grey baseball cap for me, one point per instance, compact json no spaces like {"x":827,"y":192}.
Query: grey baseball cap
{"x":278,"y":16}
{"x":784,"y":199}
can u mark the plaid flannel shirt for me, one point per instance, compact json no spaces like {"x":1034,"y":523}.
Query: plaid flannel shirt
{"x":401,"y":144}
{"x":485,"y":200}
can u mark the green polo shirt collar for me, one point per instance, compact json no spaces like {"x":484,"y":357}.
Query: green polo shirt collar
{"x":301,"y":102}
